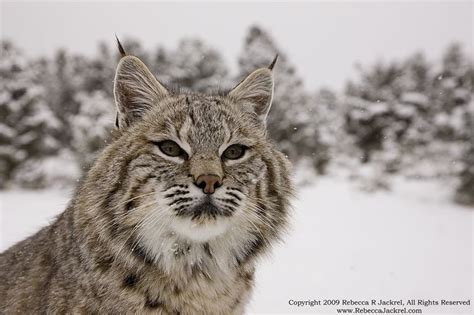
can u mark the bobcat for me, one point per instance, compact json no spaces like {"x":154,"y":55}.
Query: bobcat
{"x":173,"y":215}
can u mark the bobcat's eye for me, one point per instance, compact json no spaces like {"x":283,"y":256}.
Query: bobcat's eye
{"x":234,"y":152}
{"x":171,"y":148}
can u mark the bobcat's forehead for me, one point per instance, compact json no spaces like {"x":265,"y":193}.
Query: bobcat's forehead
{"x":204,"y":122}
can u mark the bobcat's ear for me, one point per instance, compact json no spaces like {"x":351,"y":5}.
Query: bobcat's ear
{"x":255,"y":92}
{"x":135,"y":90}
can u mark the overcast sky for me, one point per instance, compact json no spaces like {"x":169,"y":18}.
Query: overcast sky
{"x":322,"y":39}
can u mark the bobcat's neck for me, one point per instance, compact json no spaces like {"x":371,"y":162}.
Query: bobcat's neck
{"x":168,"y":271}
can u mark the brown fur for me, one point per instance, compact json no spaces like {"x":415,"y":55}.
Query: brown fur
{"x":139,"y":236}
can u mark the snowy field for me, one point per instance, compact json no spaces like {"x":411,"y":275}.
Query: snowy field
{"x":410,"y":243}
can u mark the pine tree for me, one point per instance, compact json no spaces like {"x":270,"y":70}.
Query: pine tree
{"x":192,"y":65}
{"x":411,"y":113}
{"x":462,"y":68}
{"x":452,"y":92}
{"x":412,"y":130}
{"x":73,"y":82}
{"x":27,"y":122}
{"x":63,"y":77}
{"x":387,"y":110}
{"x":291,"y":122}
{"x":465,"y":190}
{"x":91,"y":127}
{"x":328,"y":112}
{"x":98,"y":73}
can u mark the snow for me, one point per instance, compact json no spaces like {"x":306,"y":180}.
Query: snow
{"x":411,"y":242}
{"x":6,"y":131}
{"x":24,"y":212}
{"x":415,"y":98}
{"x":408,"y":243}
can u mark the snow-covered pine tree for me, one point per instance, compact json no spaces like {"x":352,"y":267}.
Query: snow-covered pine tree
{"x":452,"y":92}
{"x":387,"y":111}
{"x":460,"y":68}
{"x":92,"y":125}
{"x":99,"y":71}
{"x":413,"y":129}
{"x":160,"y":65}
{"x":328,"y":112}
{"x":291,"y":122}
{"x":63,"y":77}
{"x":27,"y":122}
{"x":410,"y":115}
{"x":369,"y":107}
{"x":465,"y":190}
{"x":192,"y":65}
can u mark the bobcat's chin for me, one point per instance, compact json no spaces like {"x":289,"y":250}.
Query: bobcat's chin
{"x":203,"y":229}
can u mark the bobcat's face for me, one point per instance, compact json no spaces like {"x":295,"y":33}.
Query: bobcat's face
{"x":193,"y":169}
{"x":207,"y":157}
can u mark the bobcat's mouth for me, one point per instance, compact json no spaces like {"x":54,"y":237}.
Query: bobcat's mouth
{"x":203,"y":221}
{"x":206,"y":210}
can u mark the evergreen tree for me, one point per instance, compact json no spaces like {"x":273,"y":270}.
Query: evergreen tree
{"x":465,"y":190}
{"x":291,"y":122}
{"x":94,"y":120}
{"x":370,"y":107}
{"x":98,"y":73}
{"x":328,"y":112}
{"x":91,"y":127}
{"x":63,"y":77}
{"x":411,"y":113}
{"x":452,"y":92}
{"x":27,"y":122}
{"x":388,"y":110}
{"x":450,"y":98}
{"x":192,"y":65}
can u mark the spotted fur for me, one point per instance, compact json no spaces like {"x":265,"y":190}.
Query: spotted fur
{"x":139,"y":236}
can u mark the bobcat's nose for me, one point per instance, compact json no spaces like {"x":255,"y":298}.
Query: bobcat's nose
{"x":208,"y":183}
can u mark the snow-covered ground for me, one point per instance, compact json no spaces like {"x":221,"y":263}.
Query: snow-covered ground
{"x":409,"y":243}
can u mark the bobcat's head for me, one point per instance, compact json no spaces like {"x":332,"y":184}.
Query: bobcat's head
{"x":194,"y":168}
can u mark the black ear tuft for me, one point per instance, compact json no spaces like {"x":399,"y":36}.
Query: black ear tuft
{"x":117,"y":125}
{"x":273,"y":62}
{"x":120,"y":47}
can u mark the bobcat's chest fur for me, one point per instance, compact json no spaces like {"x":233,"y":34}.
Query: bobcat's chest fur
{"x":187,"y":278}
{"x":191,"y":288}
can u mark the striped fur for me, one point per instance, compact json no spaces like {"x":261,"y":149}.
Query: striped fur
{"x":138,"y":236}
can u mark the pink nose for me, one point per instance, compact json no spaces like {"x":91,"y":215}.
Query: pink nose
{"x":208,"y":183}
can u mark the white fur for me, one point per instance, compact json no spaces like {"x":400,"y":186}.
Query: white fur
{"x":200,"y":232}
{"x":166,"y":237}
